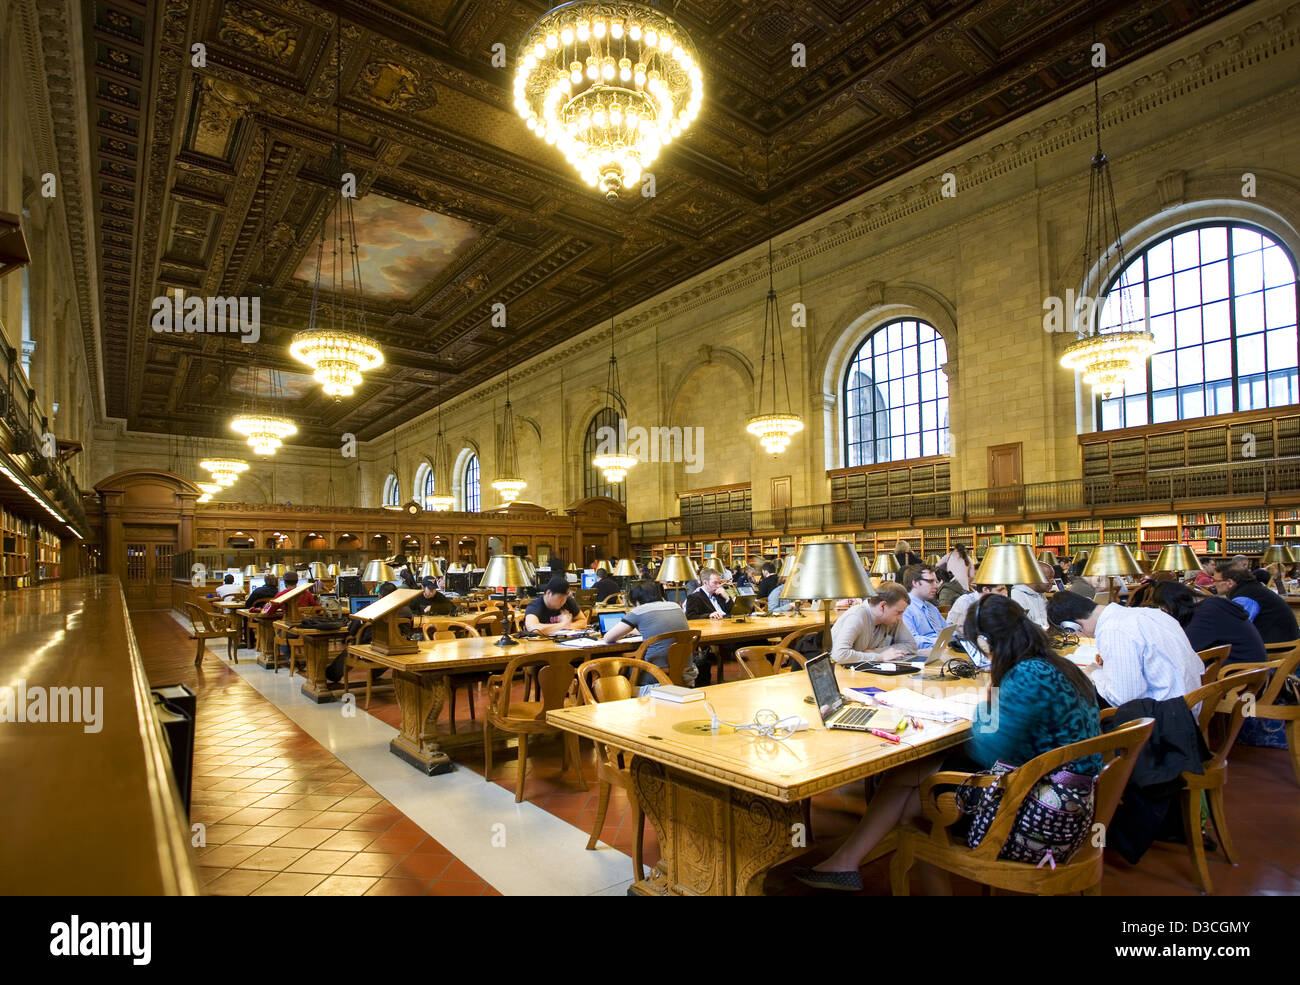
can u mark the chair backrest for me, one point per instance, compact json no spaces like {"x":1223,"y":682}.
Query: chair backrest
{"x":1214,"y":657}
{"x":195,"y":615}
{"x":789,"y":642}
{"x":680,"y":650}
{"x":555,"y":677}
{"x":448,"y":629}
{"x":1231,"y":695}
{"x":1118,"y":749}
{"x":1282,"y":667}
{"x":754,"y":660}
{"x":604,"y":678}
{"x":1281,"y":649}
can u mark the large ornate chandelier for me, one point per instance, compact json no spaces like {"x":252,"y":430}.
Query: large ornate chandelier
{"x":775,"y":428}
{"x":337,"y":357}
{"x":609,"y":84}
{"x":265,"y":432}
{"x":509,"y":483}
{"x":225,"y":471}
{"x":210,"y":489}
{"x":1106,"y":356}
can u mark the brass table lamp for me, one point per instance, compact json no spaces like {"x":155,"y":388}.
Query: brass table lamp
{"x":1178,"y":558}
{"x":1008,"y":564}
{"x":1111,"y":561}
{"x":505,"y":571}
{"x":828,"y":570}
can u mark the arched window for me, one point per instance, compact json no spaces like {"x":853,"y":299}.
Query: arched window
{"x":469,"y":485}
{"x":423,"y":483}
{"x":594,"y":443}
{"x":392,"y":495}
{"x":895,"y":395}
{"x":1221,"y":303}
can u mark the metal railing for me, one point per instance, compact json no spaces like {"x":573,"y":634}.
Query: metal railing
{"x":1165,"y":489}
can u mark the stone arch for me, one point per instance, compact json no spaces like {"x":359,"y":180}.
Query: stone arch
{"x":881,"y":304}
{"x":710,"y":355}
{"x":705,"y":402}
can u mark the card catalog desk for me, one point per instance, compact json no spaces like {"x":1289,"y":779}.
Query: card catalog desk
{"x":724,"y":805}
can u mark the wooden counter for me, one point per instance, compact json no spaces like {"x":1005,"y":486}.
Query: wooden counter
{"x":88,"y":813}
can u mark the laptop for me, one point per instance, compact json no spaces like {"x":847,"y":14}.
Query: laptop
{"x":835,"y":711}
{"x":975,"y":654}
{"x":608,"y":620}
{"x":747,"y":590}
{"x":743,"y":606}
{"x":940,"y":646}
{"x":358,"y":602}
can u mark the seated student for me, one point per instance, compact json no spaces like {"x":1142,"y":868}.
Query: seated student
{"x":269,"y":590}
{"x":606,"y":585}
{"x":555,"y":610}
{"x":779,"y":606}
{"x":1276,"y":622}
{"x":768,"y":582}
{"x":1144,"y":592}
{"x":274,"y":608}
{"x":1144,"y":653}
{"x":957,"y":614}
{"x":1044,"y":702}
{"x":334,"y":671}
{"x":921,"y":617}
{"x":1030,"y":597}
{"x":1205,"y":577}
{"x":709,"y":601}
{"x":1212,"y":621}
{"x":950,"y":589}
{"x":228,"y":587}
{"x":874,"y":631}
{"x":431,"y":601}
{"x":1077,"y":583}
{"x":651,"y":615}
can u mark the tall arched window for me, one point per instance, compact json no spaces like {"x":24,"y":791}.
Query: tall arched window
{"x":423,"y":483}
{"x":469,"y":485}
{"x":392,"y":495}
{"x":593,"y":481}
{"x":1221,"y":303}
{"x":895,"y":395}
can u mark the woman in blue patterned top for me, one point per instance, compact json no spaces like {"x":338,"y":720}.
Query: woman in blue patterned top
{"x":1042,"y":702}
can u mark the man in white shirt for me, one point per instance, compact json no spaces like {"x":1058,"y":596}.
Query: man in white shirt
{"x":1035,"y":605}
{"x":1142,"y":652}
{"x":227,"y":588}
{"x":873,"y":631}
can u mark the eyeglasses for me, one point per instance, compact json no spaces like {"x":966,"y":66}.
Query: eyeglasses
{"x":929,"y":581}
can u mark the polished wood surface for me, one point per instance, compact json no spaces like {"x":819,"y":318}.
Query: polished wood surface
{"x":90,"y":813}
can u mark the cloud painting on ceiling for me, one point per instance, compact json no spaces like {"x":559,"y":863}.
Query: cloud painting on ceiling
{"x":261,"y":383}
{"x":401,"y":247}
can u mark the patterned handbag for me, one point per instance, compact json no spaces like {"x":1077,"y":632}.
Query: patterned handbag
{"x":1054,"y":819}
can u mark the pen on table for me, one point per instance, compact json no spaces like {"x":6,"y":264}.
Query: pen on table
{"x":889,"y":736}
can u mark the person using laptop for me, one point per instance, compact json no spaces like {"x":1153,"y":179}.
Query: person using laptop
{"x":921,"y":617}
{"x":228,"y":587}
{"x":874,"y":632}
{"x":431,"y":601}
{"x":768,"y":582}
{"x":554,"y":611}
{"x":1044,"y":702}
{"x":652,"y":616}
{"x":710,"y":600}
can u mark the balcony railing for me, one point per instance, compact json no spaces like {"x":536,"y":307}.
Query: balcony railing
{"x":1166,"y":489}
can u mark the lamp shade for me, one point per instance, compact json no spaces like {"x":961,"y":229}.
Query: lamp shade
{"x":827,"y":570}
{"x":677,"y":568}
{"x":316,"y":569}
{"x":787,"y":565}
{"x":932,"y":561}
{"x":713,"y":564}
{"x":505,"y":571}
{"x":573,"y":566}
{"x":885,"y":564}
{"x":1140,"y":557}
{"x":1046,"y":556}
{"x":603,"y":565}
{"x":378,"y":571}
{"x":625,"y":569}
{"x":1009,"y":564}
{"x":278,"y":570}
{"x":1279,"y":554}
{"x":1112,"y":560}
{"x":1177,"y":557}
{"x":530,"y":568}
{"x":332,"y":570}
{"x":251,"y":571}
{"x":1082,"y":556}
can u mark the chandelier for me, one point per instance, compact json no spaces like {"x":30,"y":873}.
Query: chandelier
{"x":1106,"y":356}
{"x":224,"y":470}
{"x":776,"y":427}
{"x":609,"y":84}
{"x":265,"y":432}
{"x":614,"y":467}
{"x":210,"y":489}
{"x":509,"y":484}
{"x":441,"y":469}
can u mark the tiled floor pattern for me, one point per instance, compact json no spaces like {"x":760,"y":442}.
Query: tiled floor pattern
{"x":283,"y":844}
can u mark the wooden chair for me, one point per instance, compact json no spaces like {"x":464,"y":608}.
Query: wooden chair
{"x":283,"y":638}
{"x":680,"y":651}
{"x":755,"y":662}
{"x":600,"y":680}
{"x":440,"y":628}
{"x":206,"y":626}
{"x":524,"y":718}
{"x":1119,"y":750}
{"x":1231,"y":695}
{"x":813,"y":629}
{"x":1215,"y":657}
{"x":1282,"y":666}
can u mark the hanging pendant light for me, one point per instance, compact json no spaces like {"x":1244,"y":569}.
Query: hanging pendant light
{"x":609,"y":84}
{"x":509,"y":482}
{"x":335,"y":344}
{"x":225,"y":471}
{"x":440,"y":502}
{"x":1106,"y":356}
{"x":779,"y":424}
{"x":614,"y":467}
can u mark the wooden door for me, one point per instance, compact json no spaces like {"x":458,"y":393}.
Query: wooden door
{"x":781,"y":493}
{"x":1004,"y":474}
{"x":148,"y":567}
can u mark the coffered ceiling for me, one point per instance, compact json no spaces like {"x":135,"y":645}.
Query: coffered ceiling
{"x":215,"y":180}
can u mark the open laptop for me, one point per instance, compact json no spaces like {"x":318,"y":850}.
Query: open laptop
{"x":940,"y":646}
{"x":835,"y":711}
{"x":608,"y":620}
{"x":358,"y":602}
{"x":742,"y":606}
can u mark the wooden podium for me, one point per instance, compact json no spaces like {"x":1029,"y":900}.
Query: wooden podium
{"x":289,"y":600}
{"x":386,"y":636}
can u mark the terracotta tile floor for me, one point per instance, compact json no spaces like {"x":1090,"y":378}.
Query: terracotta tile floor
{"x":337,"y":837}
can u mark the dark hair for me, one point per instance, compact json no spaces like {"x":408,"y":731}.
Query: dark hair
{"x":960,"y":551}
{"x":228,"y":580}
{"x":769,"y":567}
{"x":1263,"y":575}
{"x":558,"y":585}
{"x":1232,"y":571}
{"x":913,"y":573}
{"x":387,"y":588}
{"x":272,"y":581}
{"x":1076,"y":568}
{"x":644,"y":591}
{"x":1012,"y":637}
{"x":290,"y":579}
{"x":890,"y":593}
{"x":1176,"y":599}
{"x":943,"y":574}
{"x":1069,"y":607}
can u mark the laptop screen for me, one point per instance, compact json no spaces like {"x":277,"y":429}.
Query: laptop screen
{"x":747,"y":590}
{"x":255,"y":583}
{"x":826,"y":690}
{"x":589,"y":579}
{"x":358,"y":602}
{"x":608,"y":620}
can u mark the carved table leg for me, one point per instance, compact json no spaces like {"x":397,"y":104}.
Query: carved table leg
{"x":714,"y":840}
{"x":421,"y":697}
{"x":267,"y":657}
{"x":316,"y":651}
